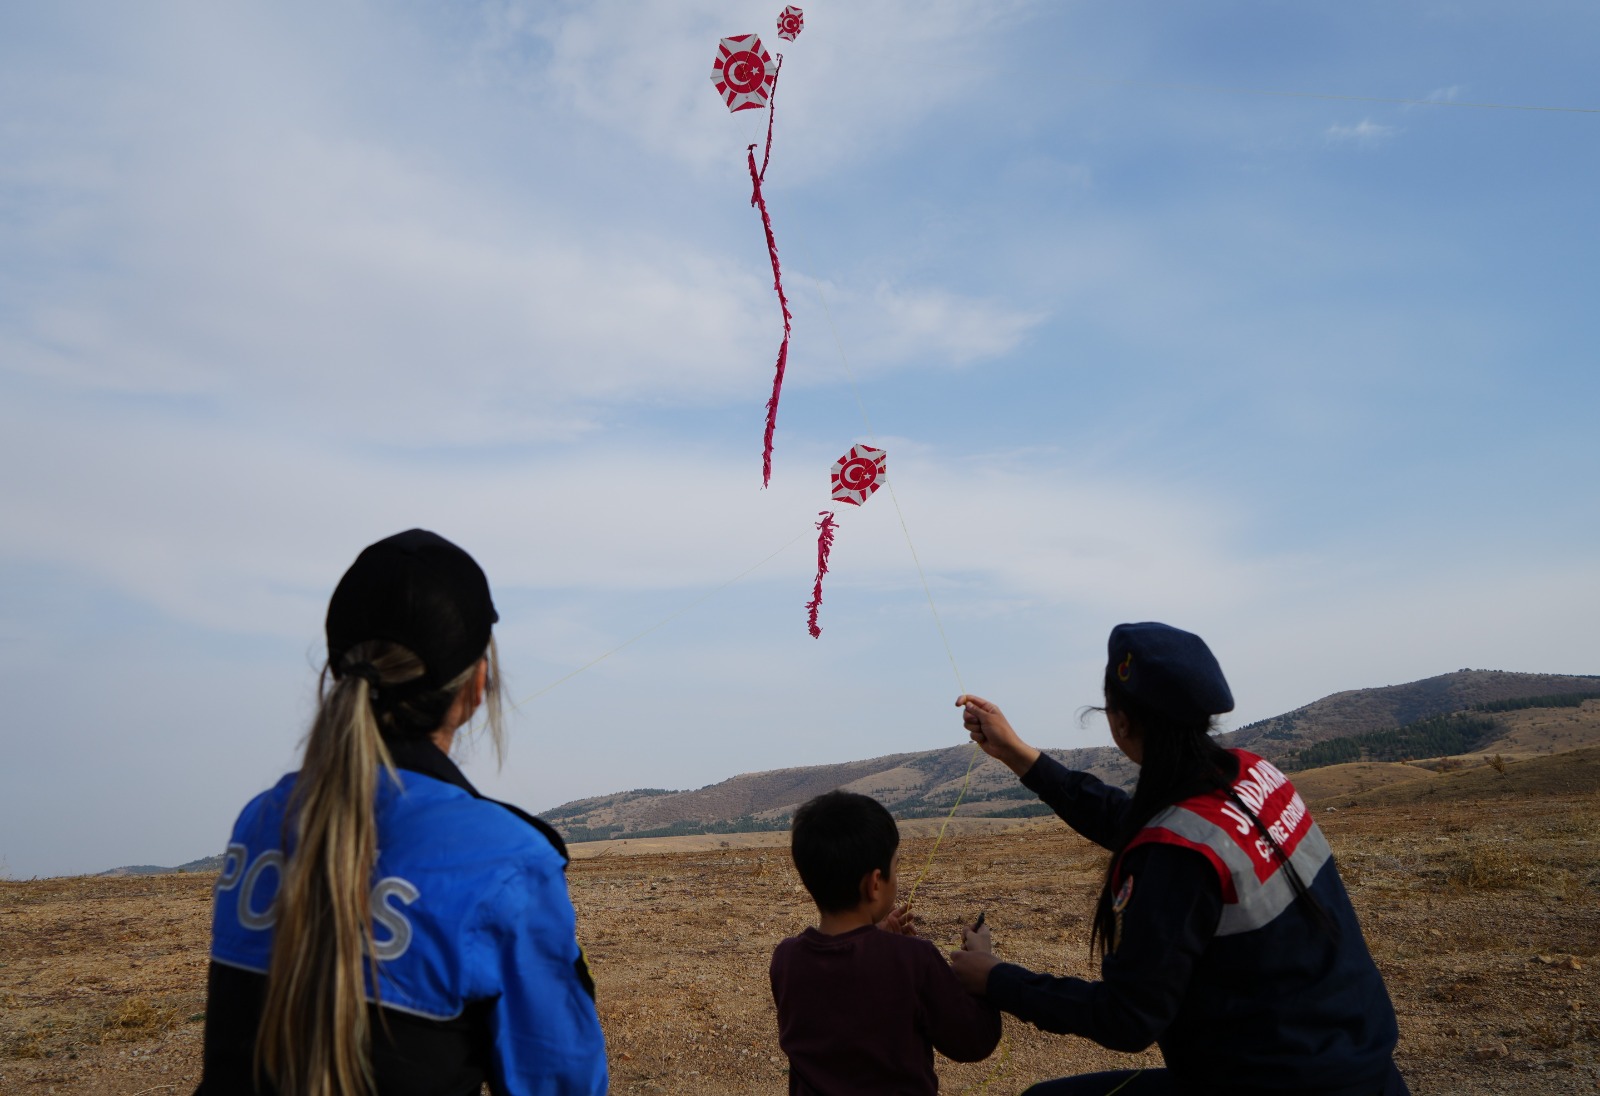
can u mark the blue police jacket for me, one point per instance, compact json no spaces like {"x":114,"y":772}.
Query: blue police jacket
{"x":470,"y":916}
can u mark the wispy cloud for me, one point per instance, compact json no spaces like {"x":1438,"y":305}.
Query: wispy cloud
{"x":1365,"y":133}
{"x":855,"y":75}
{"x":261,"y":254}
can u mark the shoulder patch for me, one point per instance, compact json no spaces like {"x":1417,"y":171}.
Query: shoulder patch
{"x":1120,"y":902}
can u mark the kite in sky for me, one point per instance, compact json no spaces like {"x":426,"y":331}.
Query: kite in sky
{"x":856,"y":475}
{"x":791,"y":21}
{"x":744,"y":73}
{"x":746,"y":77}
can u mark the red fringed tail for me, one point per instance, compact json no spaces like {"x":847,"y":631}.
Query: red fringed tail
{"x":824,"y":546}
{"x":760,"y":203}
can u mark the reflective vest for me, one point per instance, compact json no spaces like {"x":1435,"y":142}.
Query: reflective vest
{"x":1275,"y":995}
{"x":1255,"y":888}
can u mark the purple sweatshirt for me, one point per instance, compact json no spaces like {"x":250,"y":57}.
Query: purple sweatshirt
{"x":863,"y":1012}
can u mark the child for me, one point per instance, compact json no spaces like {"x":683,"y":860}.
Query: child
{"x":862,"y":1002}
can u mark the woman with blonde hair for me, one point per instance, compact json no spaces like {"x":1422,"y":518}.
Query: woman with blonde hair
{"x":380,"y":928}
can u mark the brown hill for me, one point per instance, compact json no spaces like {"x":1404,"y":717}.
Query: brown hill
{"x":912,"y":785}
{"x":918,"y":785}
{"x":1359,"y":711}
{"x":1546,"y":730}
{"x":1337,"y":783}
{"x":1570,"y":773}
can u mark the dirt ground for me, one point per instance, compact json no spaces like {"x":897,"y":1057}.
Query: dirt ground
{"x":1485,"y":919}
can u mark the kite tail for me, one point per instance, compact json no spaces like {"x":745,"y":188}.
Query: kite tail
{"x":772,"y":111}
{"x":760,"y":202}
{"x":824,"y":545}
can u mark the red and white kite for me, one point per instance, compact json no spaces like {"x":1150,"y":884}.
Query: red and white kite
{"x":791,"y":21}
{"x":858,"y":473}
{"x":746,"y":77}
{"x":744,"y":73}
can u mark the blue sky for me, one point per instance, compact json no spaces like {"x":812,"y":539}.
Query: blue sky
{"x":1314,"y":378}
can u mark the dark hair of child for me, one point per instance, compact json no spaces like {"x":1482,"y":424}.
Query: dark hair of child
{"x":837,"y":839}
{"x":1180,"y":760}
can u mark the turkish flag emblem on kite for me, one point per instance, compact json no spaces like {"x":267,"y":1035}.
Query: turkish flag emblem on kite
{"x":744,"y":72}
{"x":858,"y":473}
{"x":791,"y":21}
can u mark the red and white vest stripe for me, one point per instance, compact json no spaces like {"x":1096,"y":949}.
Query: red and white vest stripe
{"x":1255,"y":888}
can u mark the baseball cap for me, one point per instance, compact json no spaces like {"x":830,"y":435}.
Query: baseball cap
{"x":421,"y":591}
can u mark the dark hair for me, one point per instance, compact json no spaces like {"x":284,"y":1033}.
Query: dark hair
{"x":837,"y":839}
{"x":1180,"y":760}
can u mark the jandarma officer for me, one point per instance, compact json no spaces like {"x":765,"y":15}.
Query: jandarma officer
{"x":379,"y":926}
{"x":1225,"y":932}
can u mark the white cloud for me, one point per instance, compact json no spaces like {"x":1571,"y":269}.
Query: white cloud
{"x":264,"y":249}
{"x":855,"y":74}
{"x":1365,"y":133}
{"x":895,"y":325}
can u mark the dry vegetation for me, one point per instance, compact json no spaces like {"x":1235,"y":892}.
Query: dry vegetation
{"x":1483,"y":914}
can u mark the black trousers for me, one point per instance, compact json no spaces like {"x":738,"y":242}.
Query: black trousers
{"x":1158,"y":1082}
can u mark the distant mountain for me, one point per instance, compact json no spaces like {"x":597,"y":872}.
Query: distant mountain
{"x":911,"y":785}
{"x":925,"y":784}
{"x":1360,"y":711}
{"x":919,"y":785}
{"x":205,"y":863}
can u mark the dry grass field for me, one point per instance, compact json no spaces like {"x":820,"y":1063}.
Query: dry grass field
{"x":1483,"y":913}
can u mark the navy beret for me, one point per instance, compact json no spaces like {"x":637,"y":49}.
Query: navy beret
{"x":1167,"y":669}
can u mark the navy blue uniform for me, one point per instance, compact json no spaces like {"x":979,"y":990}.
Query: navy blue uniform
{"x":1214,"y":959}
{"x":481,"y":978}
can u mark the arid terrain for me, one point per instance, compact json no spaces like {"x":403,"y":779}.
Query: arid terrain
{"x":1480,"y":899}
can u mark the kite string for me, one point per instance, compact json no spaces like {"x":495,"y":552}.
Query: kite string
{"x":1142,"y":85}
{"x":667,"y":619}
{"x":855,"y":389}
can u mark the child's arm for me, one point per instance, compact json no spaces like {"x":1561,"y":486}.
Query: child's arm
{"x":962,"y":1027}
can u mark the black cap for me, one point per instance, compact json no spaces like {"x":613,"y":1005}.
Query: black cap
{"x":422,"y":592}
{"x":1167,"y":669}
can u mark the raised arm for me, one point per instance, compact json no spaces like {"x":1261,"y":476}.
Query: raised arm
{"x":1083,"y":802}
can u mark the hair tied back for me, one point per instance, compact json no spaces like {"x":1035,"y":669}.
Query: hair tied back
{"x":367,"y":672}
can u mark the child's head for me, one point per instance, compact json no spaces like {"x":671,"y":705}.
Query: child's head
{"x":838,"y":841}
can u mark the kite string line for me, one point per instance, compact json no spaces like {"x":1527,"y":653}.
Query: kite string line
{"x":667,"y":619}
{"x":1137,"y":84}
{"x":855,"y":389}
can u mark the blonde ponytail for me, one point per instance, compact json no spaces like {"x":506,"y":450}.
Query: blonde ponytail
{"x":315,"y":1037}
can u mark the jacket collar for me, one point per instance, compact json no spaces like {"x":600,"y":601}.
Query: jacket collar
{"x":421,"y":756}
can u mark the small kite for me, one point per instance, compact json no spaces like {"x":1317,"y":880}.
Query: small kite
{"x":791,"y":21}
{"x":744,"y":73}
{"x":856,"y":475}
